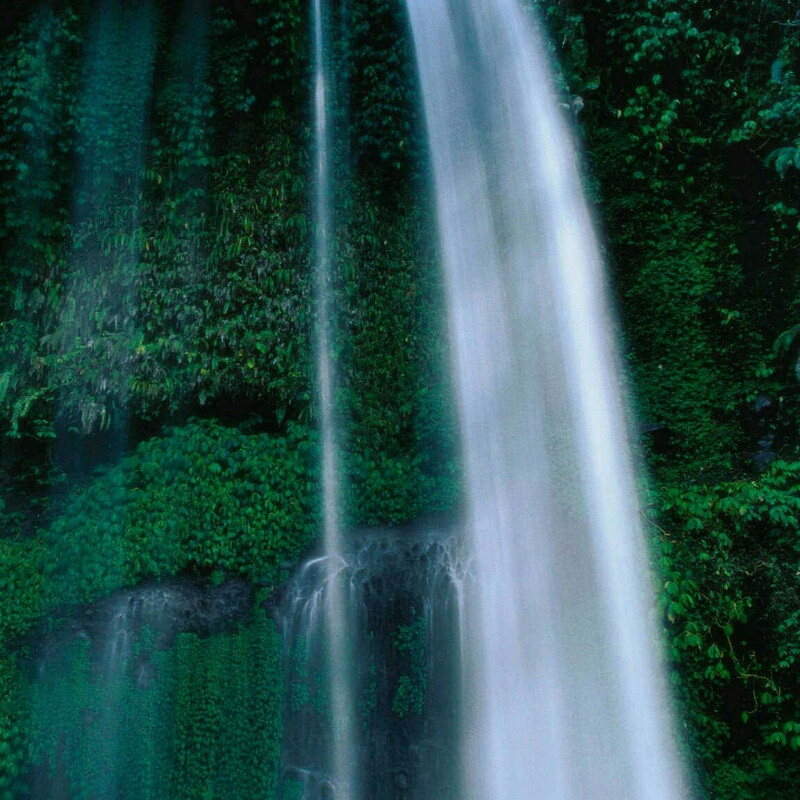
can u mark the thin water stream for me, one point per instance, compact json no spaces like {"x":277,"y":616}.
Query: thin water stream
{"x":343,"y":761}
{"x":403,"y":598}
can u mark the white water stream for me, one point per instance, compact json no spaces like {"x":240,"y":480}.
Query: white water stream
{"x":563,"y":695}
{"x":340,"y":669}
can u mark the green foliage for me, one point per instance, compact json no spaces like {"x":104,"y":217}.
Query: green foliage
{"x":203,"y":499}
{"x":224,"y":300}
{"x":228,"y":732}
{"x":773,"y":113}
{"x":680,"y":278}
{"x":401,"y":459}
{"x":233,"y":55}
{"x":12,"y":728}
{"x":410,"y":641}
{"x":152,"y":296}
{"x":703,"y":271}
{"x":201,"y":719}
{"x":182,"y":277}
{"x":38,"y":78}
{"x":687,"y":352}
{"x":382,"y":84}
{"x":20,"y":588}
{"x":282,"y":52}
{"x":731,"y":601}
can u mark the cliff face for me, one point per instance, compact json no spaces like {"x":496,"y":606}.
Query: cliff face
{"x":154,"y":248}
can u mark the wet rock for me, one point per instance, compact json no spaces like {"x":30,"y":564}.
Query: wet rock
{"x":113,"y":625}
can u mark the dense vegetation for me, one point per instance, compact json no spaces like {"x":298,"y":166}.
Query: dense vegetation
{"x":689,"y":121}
{"x":155,"y":370}
{"x":201,"y":719}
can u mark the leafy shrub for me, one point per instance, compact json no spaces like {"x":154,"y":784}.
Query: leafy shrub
{"x":20,"y":588}
{"x":731,"y":603}
{"x":201,"y":499}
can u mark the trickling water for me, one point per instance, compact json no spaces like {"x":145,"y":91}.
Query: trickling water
{"x":402,"y":595}
{"x":104,"y":700}
{"x":342,"y":763}
{"x":562,"y":692}
{"x":111,"y":145}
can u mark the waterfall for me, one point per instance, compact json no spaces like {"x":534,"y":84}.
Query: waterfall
{"x":403,"y":598}
{"x":563,"y":692}
{"x":342,"y":763}
{"x":107,"y":710}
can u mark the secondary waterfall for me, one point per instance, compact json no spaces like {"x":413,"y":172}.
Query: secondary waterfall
{"x":562,"y":691}
{"x":113,"y":696}
{"x":338,"y":664}
{"x":404,"y":593}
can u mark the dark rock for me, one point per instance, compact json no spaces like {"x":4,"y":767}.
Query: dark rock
{"x":658,"y":435}
{"x":762,"y":402}
{"x":401,"y":779}
{"x":164,"y":609}
{"x":403,"y":596}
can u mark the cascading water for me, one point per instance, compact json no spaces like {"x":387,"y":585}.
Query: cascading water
{"x":342,"y":763}
{"x":403,"y":597}
{"x":562,"y":693}
{"x":106,"y":697}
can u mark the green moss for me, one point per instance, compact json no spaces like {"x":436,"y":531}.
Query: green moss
{"x":20,"y":588}
{"x":410,"y":641}
{"x":204,"y":722}
{"x":13,"y":728}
